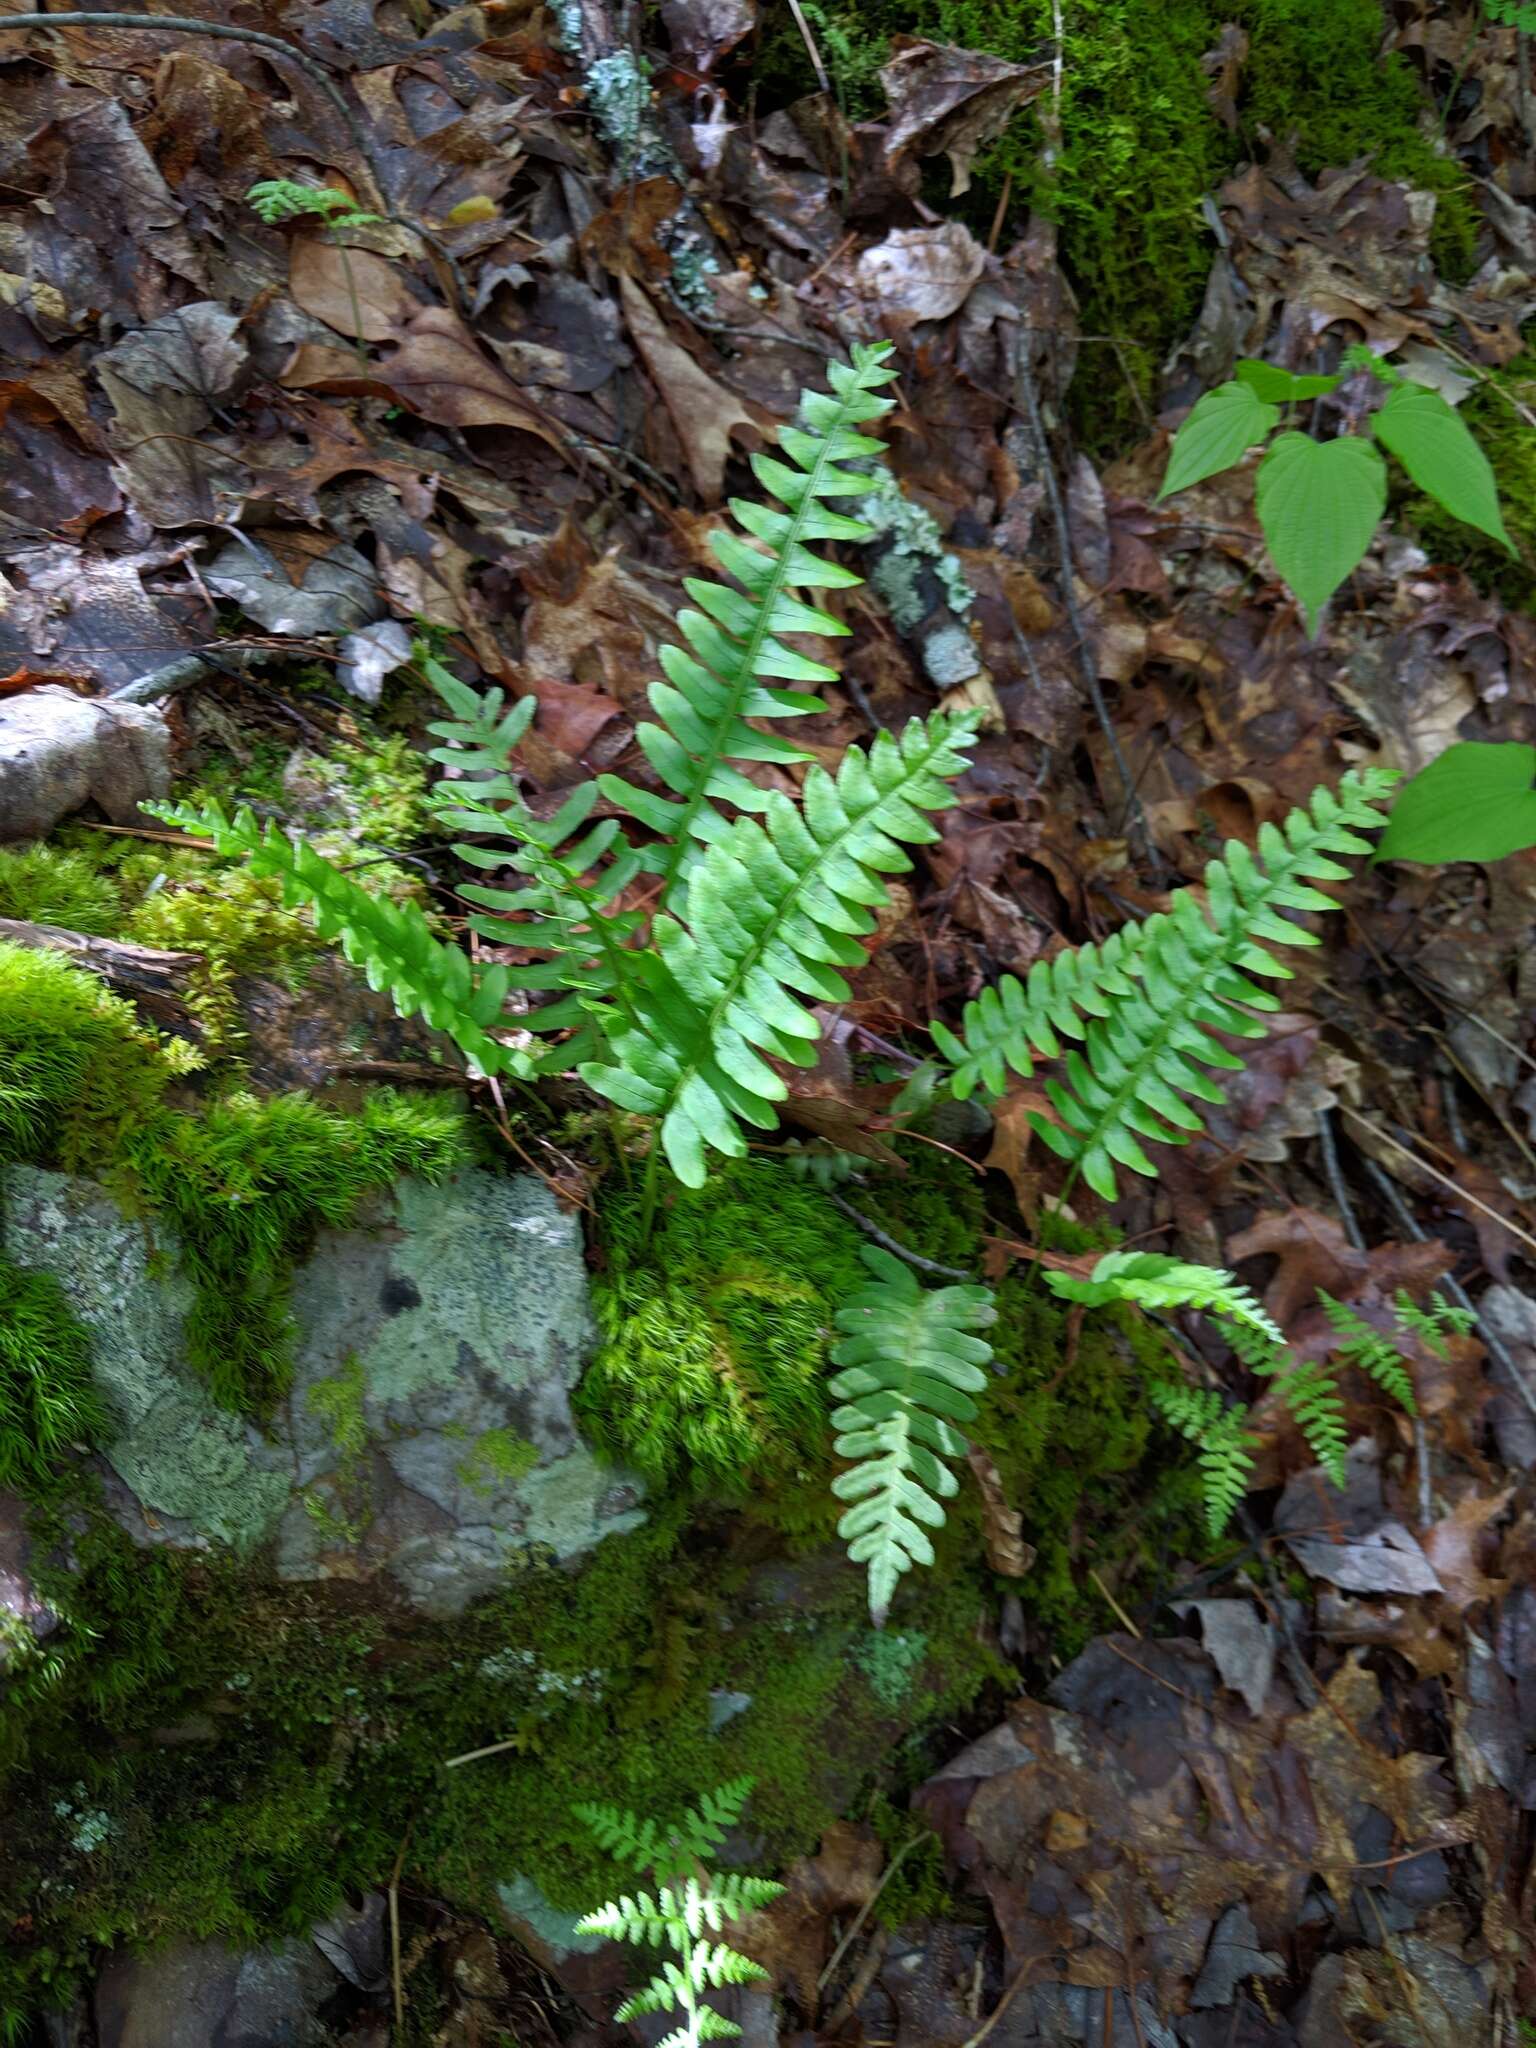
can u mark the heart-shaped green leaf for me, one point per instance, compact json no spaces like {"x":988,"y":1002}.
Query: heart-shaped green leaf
{"x":1222,"y":428}
{"x":1279,"y":386}
{"x":1474,"y":802}
{"x":1319,"y":503}
{"x":1435,"y":445}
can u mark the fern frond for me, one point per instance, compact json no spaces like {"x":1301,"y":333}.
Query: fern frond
{"x":1008,"y":1024}
{"x":1147,"y":1018}
{"x":823,"y":1164}
{"x":1311,"y":1394}
{"x":1436,"y":1322}
{"x":643,"y":1920}
{"x":734,"y":653}
{"x":392,"y":942}
{"x":774,"y":909}
{"x":1375,"y":1355}
{"x":700,"y":1829}
{"x":908,"y":1367}
{"x":652,"y":1847}
{"x":1154,"y":1281}
{"x":1224,"y":1446}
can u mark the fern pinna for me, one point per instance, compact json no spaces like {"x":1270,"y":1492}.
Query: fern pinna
{"x":908,"y":1366}
{"x":1146,"y":1004}
{"x":684,"y":1911}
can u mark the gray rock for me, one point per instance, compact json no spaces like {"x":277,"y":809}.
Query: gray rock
{"x":203,"y":1995}
{"x":549,"y":1935}
{"x":428,"y":1432}
{"x":59,"y":751}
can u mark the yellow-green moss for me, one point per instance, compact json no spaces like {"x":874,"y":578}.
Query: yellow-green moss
{"x":77,"y":1067}
{"x":47,"y":1399}
{"x":711,"y":1367}
{"x":50,"y":885}
{"x":246,"y":1181}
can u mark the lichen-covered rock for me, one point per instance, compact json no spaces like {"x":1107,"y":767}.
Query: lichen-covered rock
{"x":59,"y":751}
{"x":202,"y":1993}
{"x":427,"y":1433}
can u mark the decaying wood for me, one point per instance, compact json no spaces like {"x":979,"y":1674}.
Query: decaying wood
{"x":144,"y":974}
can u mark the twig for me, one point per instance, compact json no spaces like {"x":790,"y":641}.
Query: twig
{"x":396,"y":1977}
{"x":865,"y":1910}
{"x":810,"y":48}
{"x":1111,"y":1602}
{"x":890,"y":1244}
{"x":473,"y":1756}
{"x":190,"y":668}
{"x":1000,"y":2008}
{"x":188,"y":25}
{"x":1462,"y":1194}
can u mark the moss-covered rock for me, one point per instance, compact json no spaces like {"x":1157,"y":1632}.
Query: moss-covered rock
{"x":426,"y":1434}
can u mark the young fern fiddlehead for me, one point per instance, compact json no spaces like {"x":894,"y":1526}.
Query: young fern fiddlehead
{"x":908,"y":1368}
{"x":1145,"y":1004}
{"x":689,"y":1906}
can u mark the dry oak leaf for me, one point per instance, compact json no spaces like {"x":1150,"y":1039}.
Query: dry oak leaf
{"x":920,"y":274}
{"x":953,"y":101}
{"x":325,"y":278}
{"x":439,"y":373}
{"x":1452,"y":1546}
{"x":1314,"y":1252}
{"x":704,"y":414}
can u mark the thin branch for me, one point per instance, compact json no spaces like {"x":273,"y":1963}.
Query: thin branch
{"x":892,"y":1245}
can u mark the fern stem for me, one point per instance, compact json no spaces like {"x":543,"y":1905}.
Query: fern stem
{"x":746,"y":669}
{"x":649,"y":1187}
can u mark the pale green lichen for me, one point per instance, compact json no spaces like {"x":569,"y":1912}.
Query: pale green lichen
{"x":913,"y":539}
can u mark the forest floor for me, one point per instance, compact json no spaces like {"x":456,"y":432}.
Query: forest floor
{"x":1276,"y":1793}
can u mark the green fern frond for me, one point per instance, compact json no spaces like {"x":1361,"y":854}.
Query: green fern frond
{"x":275,"y":199}
{"x":908,"y":1367}
{"x":392,"y":942}
{"x":664,"y":1850}
{"x":1311,"y":1395}
{"x":1009,"y":1024}
{"x":774,"y":909}
{"x":1147,"y":1017}
{"x":734,"y":653}
{"x":1436,"y":1322}
{"x":1224,"y":1446}
{"x":1154,"y":1281}
{"x":1375,"y":1355}
{"x":823,"y":1164}
{"x":684,"y":1914}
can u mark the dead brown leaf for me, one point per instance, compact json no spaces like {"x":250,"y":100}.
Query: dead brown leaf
{"x":704,"y":414}
{"x":439,"y":372}
{"x":1002,"y":1525}
{"x":952,"y":102}
{"x":352,"y":290}
{"x":1456,"y":1544}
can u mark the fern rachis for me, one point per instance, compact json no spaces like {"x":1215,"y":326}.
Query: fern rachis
{"x":688,"y":1906}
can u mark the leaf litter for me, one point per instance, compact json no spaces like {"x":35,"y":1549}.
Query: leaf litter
{"x":1285,"y":1804}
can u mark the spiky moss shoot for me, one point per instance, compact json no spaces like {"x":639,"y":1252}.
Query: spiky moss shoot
{"x":47,"y":885}
{"x":48,"y":1403}
{"x":77,"y":1067}
{"x":1142,"y":146}
{"x":710,"y":1373}
{"x":255,"y":1750}
{"x":239,"y":924}
{"x":1492,"y":413}
{"x":247,"y":1181}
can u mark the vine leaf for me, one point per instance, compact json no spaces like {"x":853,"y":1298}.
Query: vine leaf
{"x":1224,"y":425}
{"x":1319,"y":503}
{"x":1436,"y":447}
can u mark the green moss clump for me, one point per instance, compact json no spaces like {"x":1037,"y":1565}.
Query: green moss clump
{"x":237,"y":921}
{"x":247,"y":1181}
{"x":47,"y":885}
{"x":1141,"y":145}
{"x":270,"y":1749}
{"x":47,"y":1399}
{"x":714,"y":1334}
{"x":77,"y":1068}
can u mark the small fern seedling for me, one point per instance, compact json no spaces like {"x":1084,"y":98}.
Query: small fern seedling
{"x":1375,"y":1355}
{"x":278,"y":199}
{"x":688,"y":1907}
{"x":1223,"y":1444}
{"x":909,"y":1366}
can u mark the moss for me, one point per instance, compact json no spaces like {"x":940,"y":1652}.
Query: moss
{"x":47,"y":885}
{"x":247,"y":1181}
{"x":339,"y":1403}
{"x":1510,"y":446}
{"x":497,"y":1456}
{"x":269,"y":1750}
{"x":239,"y":924}
{"x":714,"y":1334}
{"x":1141,"y":145}
{"x":1101,"y":1486}
{"x":47,"y":1399}
{"x":77,"y":1068}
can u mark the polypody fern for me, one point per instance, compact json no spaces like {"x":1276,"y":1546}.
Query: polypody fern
{"x":908,"y":1368}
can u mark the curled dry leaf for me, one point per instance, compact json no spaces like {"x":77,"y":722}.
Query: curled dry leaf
{"x":952,"y":102}
{"x":920,"y":273}
{"x":703,"y":413}
{"x":1002,"y":1525}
